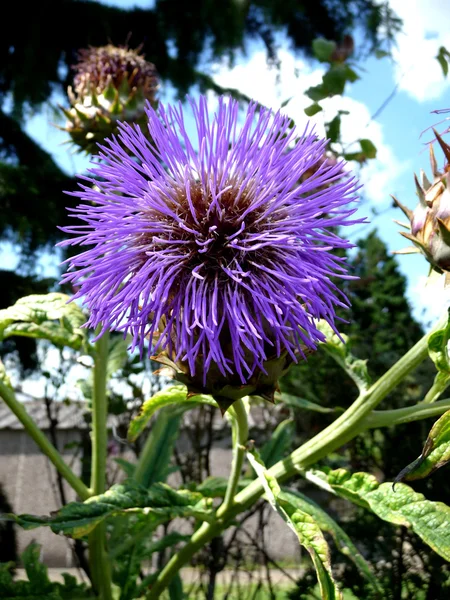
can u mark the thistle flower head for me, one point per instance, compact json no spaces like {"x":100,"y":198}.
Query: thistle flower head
{"x":221,"y":256}
{"x":111,"y":83}
{"x":430,"y":220}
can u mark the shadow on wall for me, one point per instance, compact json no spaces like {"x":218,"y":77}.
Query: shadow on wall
{"x":8,"y":547}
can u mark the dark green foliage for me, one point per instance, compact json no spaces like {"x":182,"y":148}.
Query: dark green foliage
{"x":38,"y":586}
{"x":382,"y":328}
{"x":60,"y":29}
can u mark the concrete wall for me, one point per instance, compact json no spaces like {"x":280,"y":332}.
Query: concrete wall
{"x":30,"y":483}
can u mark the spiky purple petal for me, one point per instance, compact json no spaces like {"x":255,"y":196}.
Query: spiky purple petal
{"x":219,"y":254}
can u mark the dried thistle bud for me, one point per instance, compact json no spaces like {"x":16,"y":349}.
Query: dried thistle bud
{"x":111,"y":84}
{"x":430,"y":220}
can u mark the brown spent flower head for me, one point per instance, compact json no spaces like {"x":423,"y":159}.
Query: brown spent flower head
{"x":111,"y":84}
{"x":429,"y":222}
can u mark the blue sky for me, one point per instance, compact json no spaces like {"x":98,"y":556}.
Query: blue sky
{"x":421,"y":88}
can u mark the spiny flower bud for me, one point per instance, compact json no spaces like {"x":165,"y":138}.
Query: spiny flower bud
{"x":430,"y":220}
{"x":111,"y":84}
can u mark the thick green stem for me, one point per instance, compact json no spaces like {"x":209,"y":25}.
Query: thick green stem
{"x":388,"y":418}
{"x":207,"y":531}
{"x":98,"y":558}
{"x":42,"y":441}
{"x":341,"y":431}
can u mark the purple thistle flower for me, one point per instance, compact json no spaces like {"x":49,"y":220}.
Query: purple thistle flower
{"x":222,"y":257}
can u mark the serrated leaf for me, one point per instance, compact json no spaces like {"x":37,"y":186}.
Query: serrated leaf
{"x":279,"y":443}
{"x":435,"y":453}
{"x":401,"y":506}
{"x":46,"y":316}
{"x":313,"y":109}
{"x":368,"y":148}
{"x":175,"y":394}
{"x":341,"y":539}
{"x":323,"y":49}
{"x":339,"y":349}
{"x":160,"y":503}
{"x":302,"y":524}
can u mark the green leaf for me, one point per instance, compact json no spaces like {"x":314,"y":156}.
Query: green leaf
{"x":333,"y":129}
{"x":304,"y":526}
{"x":435,"y":453}
{"x":176,"y":588}
{"x":313,"y":109}
{"x":341,"y":539}
{"x":303,"y":404}
{"x":127,"y":467}
{"x":368,"y":148}
{"x":161,"y":441}
{"x":36,"y":572}
{"x":381,"y":54}
{"x":443,"y":57}
{"x":215,"y":487}
{"x":437,"y":348}
{"x":47,"y":317}
{"x":402,"y":506}
{"x":158,"y":503}
{"x":339,"y":349}
{"x":350,"y":74}
{"x":38,"y":586}
{"x":335,"y":79}
{"x":317,"y":93}
{"x":323,"y":49}
{"x":175,"y":394}
{"x":117,"y":354}
{"x":438,"y":352}
{"x":280,"y":442}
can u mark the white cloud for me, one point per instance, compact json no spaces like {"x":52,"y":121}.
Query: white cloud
{"x":426,"y":27}
{"x":430,"y":298}
{"x":380,"y":175}
{"x":271,"y":87}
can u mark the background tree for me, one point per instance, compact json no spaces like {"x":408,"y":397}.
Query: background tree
{"x":36,"y":55}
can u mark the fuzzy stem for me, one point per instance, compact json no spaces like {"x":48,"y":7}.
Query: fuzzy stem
{"x":341,"y":431}
{"x":43,"y":442}
{"x":98,"y":558}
